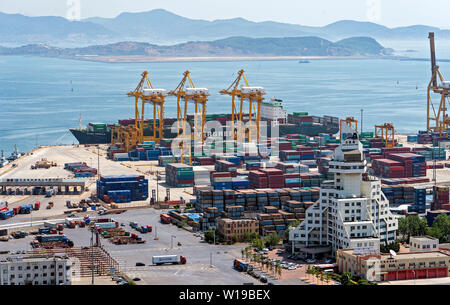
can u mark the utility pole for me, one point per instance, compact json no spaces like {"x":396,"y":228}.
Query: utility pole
{"x":92,"y":255}
{"x":98,"y":161}
{"x":361,"y":128}
{"x":157,"y":186}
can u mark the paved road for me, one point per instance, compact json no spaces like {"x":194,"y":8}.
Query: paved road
{"x":197,"y":271}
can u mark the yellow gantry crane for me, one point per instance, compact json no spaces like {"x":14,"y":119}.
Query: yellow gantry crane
{"x":155,"y":97}
{"x":437,"y":119}
{"x":351,"y":122}
{"x":187,"y":91}
{"x":255,"y":97}
{"x":387,"y":133}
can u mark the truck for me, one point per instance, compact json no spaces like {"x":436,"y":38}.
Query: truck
{"x":165,"y":219}
{"x":169,"y":259}
{"x":37,"y":205}
{"x":70,"y":223}
{"x":50,"y":193}
{"x":19,"y":234}
{"x":3,"y":203}
{"x":45,"y":230}
{"x":26,"y":209}
{"x":240,"y":265}
{"x":6,"y":214}
{"x":134,"y":224}
{"x":142,"y":229}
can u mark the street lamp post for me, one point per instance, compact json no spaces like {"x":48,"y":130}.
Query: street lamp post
{"x":171,"y":241}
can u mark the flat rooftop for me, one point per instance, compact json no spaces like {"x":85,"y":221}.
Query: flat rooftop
{"x":413,"y":255}
{"x":424,"y":238}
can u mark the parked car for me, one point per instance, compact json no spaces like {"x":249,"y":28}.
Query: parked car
{"x":136,"y":279}
{"x":280,"y":251}
{"x":263,"y":279}
{"x":310,"y":261}
{"x":328,"y":261}
{"x":140,"y":264}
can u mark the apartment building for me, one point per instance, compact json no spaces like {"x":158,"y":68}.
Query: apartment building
{"x":34,"y":270}
{"x":352,"y":211}
{"x":229,"y":227}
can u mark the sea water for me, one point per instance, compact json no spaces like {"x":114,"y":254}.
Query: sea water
{"x":41,"y":98}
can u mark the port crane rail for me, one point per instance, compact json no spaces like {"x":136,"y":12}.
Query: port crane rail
{"x":437,"y":121}
{"x":155,"y":97}
{"x":387,"y":133}
{"x":254,"y":95}
{"x":200,"y":98}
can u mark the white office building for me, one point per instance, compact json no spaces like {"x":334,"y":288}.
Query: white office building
{"x":40,"y":270}
{"x":351,"y":213}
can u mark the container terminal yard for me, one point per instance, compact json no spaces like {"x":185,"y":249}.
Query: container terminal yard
{"x":289,"y":209}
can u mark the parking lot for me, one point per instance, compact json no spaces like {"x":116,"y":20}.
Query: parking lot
{"x":199,"y":255}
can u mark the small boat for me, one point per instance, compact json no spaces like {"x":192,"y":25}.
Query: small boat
{"x":15,"y":155}
{"x":3,"y":161}
{"x":304,"y":62}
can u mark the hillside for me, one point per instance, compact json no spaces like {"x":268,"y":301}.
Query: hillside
{"x":234,"y":46}
{"x":165,"y":28}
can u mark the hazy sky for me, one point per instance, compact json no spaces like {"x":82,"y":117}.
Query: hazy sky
{"x":306,"y":12}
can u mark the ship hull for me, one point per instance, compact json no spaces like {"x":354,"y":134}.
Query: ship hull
{"x":85,"y":137}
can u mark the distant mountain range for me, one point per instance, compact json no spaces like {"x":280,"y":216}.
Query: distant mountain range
{"x":163,"y":27}
{"x":234,"y":46}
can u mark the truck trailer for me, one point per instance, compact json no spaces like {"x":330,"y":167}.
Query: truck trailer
{"x":169,"y":259}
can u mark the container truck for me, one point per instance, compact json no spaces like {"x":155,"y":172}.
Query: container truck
{"x":169,"y":259}
{"x":50,"y":193}
{"x":6,"y":214}
{"x":240,"y":265}
{"x":165,"y":218}
{"x":70,"y":223}
{"x":26,"y":209}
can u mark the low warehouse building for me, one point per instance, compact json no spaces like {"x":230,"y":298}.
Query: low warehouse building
{"x":386,"y":267}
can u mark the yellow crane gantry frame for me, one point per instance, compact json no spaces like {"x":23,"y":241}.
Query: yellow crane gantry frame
{"x":252,"y":96}
{"x":155,"y":97}
{"x":437,"y":121}
{"x":350,"y":121}
{"x":387,"y":133}
{"x":200,"y":98}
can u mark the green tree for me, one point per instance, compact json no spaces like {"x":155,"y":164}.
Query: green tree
{"x":441,"y":228}
{"x":412,"y":225}
{"x":258,"y":244}
{"x":246,"y":237}
{"x":345,"y":278}
{"x":253,"y":236}
{"x":272,"y":239}
{"x":234,"y":239}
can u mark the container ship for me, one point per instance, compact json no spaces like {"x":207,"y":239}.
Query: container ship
{"x":271,"y":112}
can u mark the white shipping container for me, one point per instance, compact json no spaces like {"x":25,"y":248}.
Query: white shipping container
{"x":247,"y":90}
{"x":165,"y":259}
{"x":193,"y":91}
{"x":150,"y":92}
{"x":446,"y":84}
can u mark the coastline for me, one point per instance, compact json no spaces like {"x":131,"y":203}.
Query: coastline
{"x":158,"y":59}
